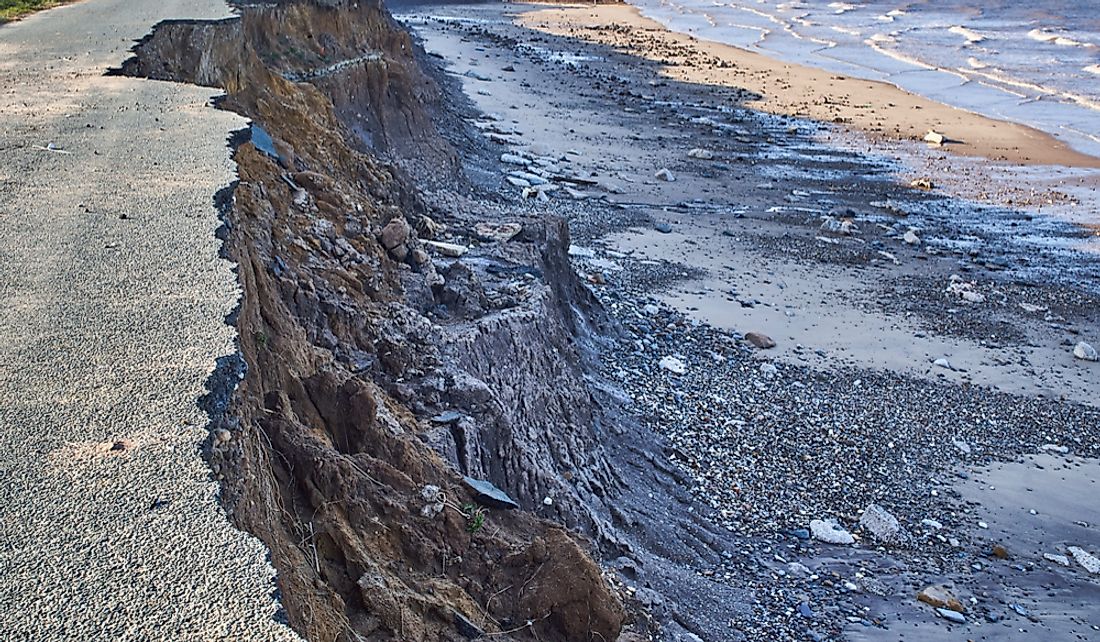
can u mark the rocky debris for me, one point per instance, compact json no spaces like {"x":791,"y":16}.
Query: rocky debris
{"x":662,"y":227}
{"x":665,"y":175}
{"x":673,"y":365}
{"x":934,"y":137}
{"x":760,"y":340}
{"x":830,"y":532}
{"x":1085,"y":352}
{"x":965,"y":290}
{"x":497,"y":232}
{"x":513,"y":159}
{"x":452,"y":250}
{"x":941,"y":597}
{"x":963,"y":447}
{"x":922,"y":183}
{"x":910,"y":237}
{"x":1087,"y":561}
{"x":882,"y":525}
{"x":700,"y":154}
{"x":487,"y":494}
{"x":1055,"y":448}
{"x":838,"y":226}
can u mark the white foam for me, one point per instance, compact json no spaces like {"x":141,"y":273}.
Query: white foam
{"x":1042,"y":35}
{"x":841,"y":7}
{"x":976,"y":64}
{"x":970,"y":35}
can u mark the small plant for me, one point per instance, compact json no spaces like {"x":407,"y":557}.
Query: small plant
{"x":475,"y":517}
{"x":260,"y":337}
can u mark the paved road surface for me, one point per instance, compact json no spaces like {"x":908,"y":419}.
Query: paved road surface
{"x":109,"y":328}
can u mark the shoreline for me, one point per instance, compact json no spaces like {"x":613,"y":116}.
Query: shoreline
{"x":878,"y":109}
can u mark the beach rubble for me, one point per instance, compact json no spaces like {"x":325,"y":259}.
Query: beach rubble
{"x":1088,"y":561}
{"x":935,"y":137}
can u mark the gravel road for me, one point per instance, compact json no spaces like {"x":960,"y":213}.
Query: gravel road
{"x":114,"y":299}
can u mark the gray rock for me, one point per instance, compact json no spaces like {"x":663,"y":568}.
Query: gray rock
{"x":395,"y":233}
{"x":662,"y":227}
{"x":760,"y":340}
{"x":951,"y":616}
{"x":486,"y":494}
{"x":830,"y":532}
{"x":664,"y":175}
{"x":884,"y":526}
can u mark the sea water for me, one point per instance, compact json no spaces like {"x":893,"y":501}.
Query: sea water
{"x":1035,"y":62}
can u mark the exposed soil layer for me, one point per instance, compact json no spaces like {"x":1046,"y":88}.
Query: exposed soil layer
{"x":377,"y":368}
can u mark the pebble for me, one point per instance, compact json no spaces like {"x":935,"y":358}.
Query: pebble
{"x":760,"y":340}
{"x":1061,"y":560}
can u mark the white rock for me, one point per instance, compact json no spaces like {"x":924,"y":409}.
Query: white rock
{"x":701,"y":154}
{"x":973,"y":297}
{"x":830,"y":532}
{"x":884,"y":526}
{"x":942,"y":363}
{"x":963,"y":447}
{"x":934,"y":137}
{"x":768,"y":370}
{"x":547,"y":501}
{"x":911,"y":238}
{"x":664,"y":175}
{"x":931,"y":523}
{"x":1054,"y":448}
{"x":518,"y":182}
{"x":447,"y":249}
{"x":1061,"y":560}
{"x":650,"y":309}
{"x":1028,"y":307}
{"x":672,"y":364}
{"x":1089,"y":562}
{"x":798,"y":569}
{"x":1085,"y":352}
{"x":513,"y":159}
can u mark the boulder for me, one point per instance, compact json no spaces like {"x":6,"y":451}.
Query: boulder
{"x":664,"y":175}
{"x":395,"y":233}
{"x":701,"y":154}
{"x":934,"y":137}
{"x":452,"y":250}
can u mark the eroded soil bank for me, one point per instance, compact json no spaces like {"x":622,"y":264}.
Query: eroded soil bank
{"x":377,"y":367}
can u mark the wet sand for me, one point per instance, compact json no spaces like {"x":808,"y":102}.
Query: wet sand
{"x":877,"y":108}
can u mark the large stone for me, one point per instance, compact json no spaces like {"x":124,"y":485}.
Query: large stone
{"x":940,"y":597}
{"x":951,"y":616}
{"x":665,"y":175}
{"x":884,"y":526}
{"x":452,"y":250}
{"x":673,"y":365}
{"x":1085,"y":352}
{"x":830,"y":532}
{"x":395,"y":233}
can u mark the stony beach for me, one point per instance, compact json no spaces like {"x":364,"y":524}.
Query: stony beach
{"x":817,"y":340}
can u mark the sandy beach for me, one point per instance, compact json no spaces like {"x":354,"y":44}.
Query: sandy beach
{"x":879,"y":109}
